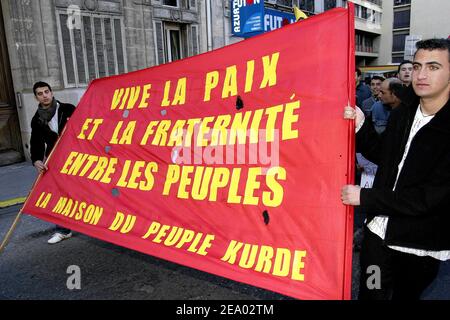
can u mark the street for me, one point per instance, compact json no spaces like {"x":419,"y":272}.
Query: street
{"x":32,"y":269}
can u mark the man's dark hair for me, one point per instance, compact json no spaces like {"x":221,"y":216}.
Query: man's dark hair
{"x":358,"y":71}
{"x":41,"y":84}
{"x":378,"y":78}
{"x":402,"y":63}
{"x":434,"y":44}
{"x":397,"y":89}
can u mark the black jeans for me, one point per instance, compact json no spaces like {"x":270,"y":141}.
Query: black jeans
{"x":62,"y":230}
{"x":403,"y":276}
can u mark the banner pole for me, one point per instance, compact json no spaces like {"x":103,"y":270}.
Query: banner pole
{"x":347,"y":286}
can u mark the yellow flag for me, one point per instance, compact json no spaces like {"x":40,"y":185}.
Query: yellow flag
{"x":299,"y":14}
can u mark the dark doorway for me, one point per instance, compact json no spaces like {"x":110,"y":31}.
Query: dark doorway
{"x":11,"y":150}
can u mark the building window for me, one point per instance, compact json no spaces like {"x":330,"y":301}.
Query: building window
{"x":402,"y":19}
{"x":306,"y":5}
{"x":376,"y":17}
{"x":398,"y":42}
{"x":172,"y":3}
{"x":357,"y":11}
{"x":193,"y":4}
{"x":367,"y":14}
{"x":377,"y":2}
{"x":368,"y":45}
{"x":397,"y":58}
{"x":364,"y":14}
{"x":93,"y":49}
{"x":194,"y":42}
{"x":286,"y":3}
{"x":358,"y":42}
{"x":175,"y":41}
{"x":330,"y":4}
{"x":363,"y":43}
{"x":401,"y":2}
{"x":173,"y":44}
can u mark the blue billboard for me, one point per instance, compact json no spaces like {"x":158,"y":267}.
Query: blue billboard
{"x":274,"y":19}
{"x":246,"y":17}
{"x":250,"y":17}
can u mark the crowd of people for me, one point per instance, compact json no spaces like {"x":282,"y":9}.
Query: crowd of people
{"x":406,"y":132}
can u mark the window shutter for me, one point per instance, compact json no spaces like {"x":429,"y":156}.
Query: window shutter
{"x":194,"y":39}
{"x":119,"y":46}
{"x":79,"y":56}
{"x":159,"y":41}
{"x":67,"y":50}
{"x":96,"y":49}
{"x":90,"y":49}
{"x":109,"y":47}
{"x":99,"y":47}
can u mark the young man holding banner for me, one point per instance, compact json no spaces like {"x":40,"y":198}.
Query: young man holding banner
{"x":407,"y":230}
{"x":46,"y":126}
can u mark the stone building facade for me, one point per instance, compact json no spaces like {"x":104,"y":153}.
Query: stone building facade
{"x":67,"y":43}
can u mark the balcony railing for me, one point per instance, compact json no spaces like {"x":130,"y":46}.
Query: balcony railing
{"x":364,"y":48}
{"x":376,"y":26}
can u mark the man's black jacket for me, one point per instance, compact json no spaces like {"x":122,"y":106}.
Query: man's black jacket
{"x":419,"y":208}
{"x":42,"y":138}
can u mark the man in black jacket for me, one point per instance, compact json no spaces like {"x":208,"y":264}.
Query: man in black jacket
{"x":407,"y":229}
{"x":46,"y":126}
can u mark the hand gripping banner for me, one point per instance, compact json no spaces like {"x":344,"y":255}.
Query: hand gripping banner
{"x":230,"y":162}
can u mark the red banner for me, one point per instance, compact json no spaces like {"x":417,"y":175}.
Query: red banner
{"x":230,"y":162}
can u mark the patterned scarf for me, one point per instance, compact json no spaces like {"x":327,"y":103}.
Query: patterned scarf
{"x":46,"y":114}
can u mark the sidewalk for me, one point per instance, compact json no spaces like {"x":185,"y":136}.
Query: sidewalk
{"x":17,"y":180}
